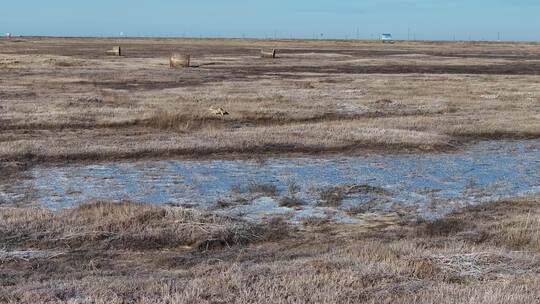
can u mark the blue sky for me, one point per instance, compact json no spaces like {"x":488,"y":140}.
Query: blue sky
{"x":423,"y":19}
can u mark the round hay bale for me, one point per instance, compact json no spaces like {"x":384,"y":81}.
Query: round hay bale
{"x":115,"y":51}
{"x":268,"y":53}
{"x":180,"y":60}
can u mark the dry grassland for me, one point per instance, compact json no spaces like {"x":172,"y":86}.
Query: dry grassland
{"x":131,"y":253}
{"x":64,"y":99}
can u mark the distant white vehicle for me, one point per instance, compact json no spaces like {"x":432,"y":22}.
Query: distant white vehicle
{"x":387,"y":38}
{"x":8,"y":35}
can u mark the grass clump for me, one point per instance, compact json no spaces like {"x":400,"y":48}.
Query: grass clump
{"x":520,"y":233}
{"x":290,"y":202}
{"x":332,"y":196}
{"x":123,"y":225}
{"x":444,"y":227}
{"x":264,"y":189}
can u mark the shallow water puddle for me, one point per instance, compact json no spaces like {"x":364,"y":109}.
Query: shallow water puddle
{"x":428,"y":184}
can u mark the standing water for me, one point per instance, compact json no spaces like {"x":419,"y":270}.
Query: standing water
{"x":428,"y":185}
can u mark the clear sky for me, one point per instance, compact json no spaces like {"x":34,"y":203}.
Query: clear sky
{"x":421,"y":19}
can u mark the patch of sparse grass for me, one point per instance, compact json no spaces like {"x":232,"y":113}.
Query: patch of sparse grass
{"x":315,"y":222}
{"x":366,"y":189}
{"x":67,"y":63}
{"x":293,"y":188}
{"x":290,"y":202}
{"x":520,"y":233}
{"x":222,"y":204}
{"x":166,"y":120}
{"x":445,"y":227}
{"x":11,"y":170}
{"x":262,"y":189}
{"x":332,"y":196}
{"x":362,"y":208}
{"x":277,"y":228}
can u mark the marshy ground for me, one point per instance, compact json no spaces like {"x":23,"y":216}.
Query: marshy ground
{"x":363,"y":114}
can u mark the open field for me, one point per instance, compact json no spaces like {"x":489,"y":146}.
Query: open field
{"x":344,"y":172}
{"x":64,"y":99}
{"x":129,"y":253}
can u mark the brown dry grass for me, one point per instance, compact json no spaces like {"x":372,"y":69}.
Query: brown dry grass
{"x":487,"y":254}
{"x":63,"y":99}
{"x":121,"y":226}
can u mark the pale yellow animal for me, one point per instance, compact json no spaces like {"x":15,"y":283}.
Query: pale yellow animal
{"x":218,"y":111}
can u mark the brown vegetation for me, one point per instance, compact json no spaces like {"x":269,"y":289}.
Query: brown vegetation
{"x":333,"y":196}
{"x":265,"y":189}
{"x":290,"y":202}
{"x":60,"y":102}
{"x":117,"y":253}
{"x":120,"y":226}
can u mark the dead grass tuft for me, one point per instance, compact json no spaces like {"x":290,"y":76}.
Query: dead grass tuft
{"x":181,"y":122}
{"x":290,"y":202}
{"x":332,"y":196}
{"x":445,"y":227}
{"x":423,"y":268}
{"x":262,"y":189}
{"x":519,"y":233}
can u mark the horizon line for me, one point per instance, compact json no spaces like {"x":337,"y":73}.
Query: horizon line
{"x":223,"y":37}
